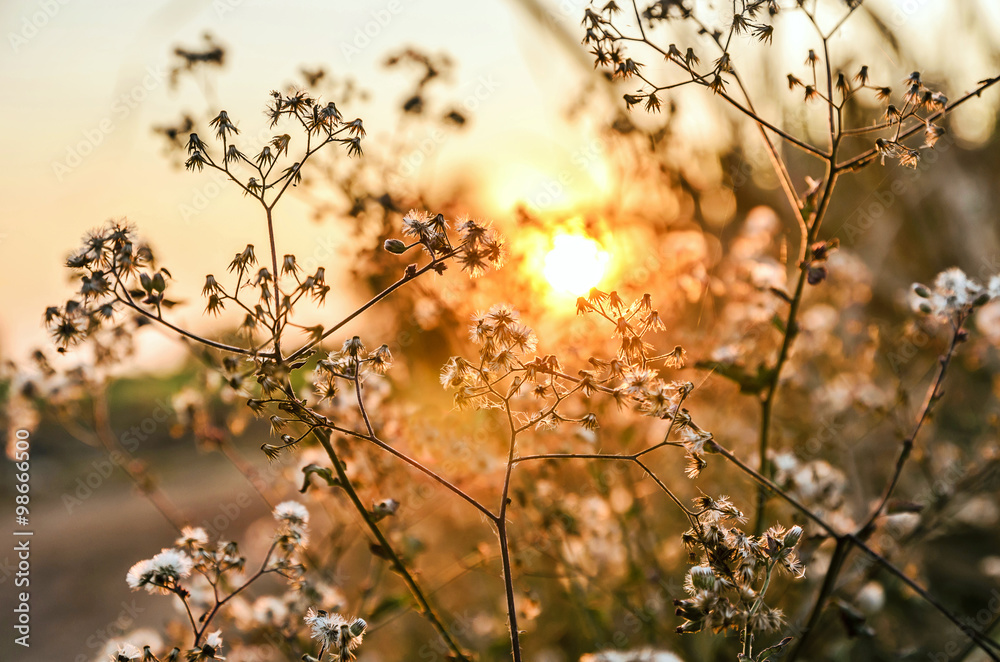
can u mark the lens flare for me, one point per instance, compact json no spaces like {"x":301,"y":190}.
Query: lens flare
{"x":575,"y":264}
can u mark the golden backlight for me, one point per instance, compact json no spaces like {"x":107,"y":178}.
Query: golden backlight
{"x":575,"y":264}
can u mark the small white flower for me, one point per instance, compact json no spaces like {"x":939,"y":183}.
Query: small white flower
{"x":994,"y":287}
{"x":953,"y":293}
{"x":172,"y":563}
{"x":295,"y":517}
{"x":293,"y":513}
{"x":336,"y":635}
{"x":139,"y":574}
{"x":214,"y":640}
{"x":192,"y":537}
{"x":325,"y":626}
{"x":160,"y":572}
{"x":126,"y":653}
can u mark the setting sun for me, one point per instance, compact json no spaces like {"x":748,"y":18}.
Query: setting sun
{"x":575,"y":264}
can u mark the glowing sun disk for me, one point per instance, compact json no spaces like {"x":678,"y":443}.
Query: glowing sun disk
{"x":575,"y":264}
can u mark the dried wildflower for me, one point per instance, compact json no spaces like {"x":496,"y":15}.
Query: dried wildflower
{"x":894,"y":150}
{"x":912,"y":95}
{"x":160,"y":573}
{"x":196,"y":162}
{"x":953,"y":296}
{"x":288,"y":265}
{"x":265,"y":157}
{"x":652,"y":103}
{"x":763,"y":33}
{"x":336,"y":636}
{"x":842,"y":85}
{"x":381,"y":359}
{"x":353,"y":146}
{"x":211,"y":286}
{"x":280,"y":144}
{"x":209,"y":650}
{"x":676,"y":358}
{"x":717,"y":85}
{"x":126,"y":653}
{"x":192,"y":538}
{"x":627,"y":68}
{"x":932,"y":132}
{"x":223,"y":125}
{"x":353,"y":347}
{"x":651,"y":322}
{"x":292,"y":513}
{"x":589,"y":422}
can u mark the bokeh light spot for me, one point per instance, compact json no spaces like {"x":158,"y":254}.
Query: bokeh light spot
{"x":575,"y":264}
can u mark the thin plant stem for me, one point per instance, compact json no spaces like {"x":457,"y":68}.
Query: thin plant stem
{"x":501,"y":523}
{"x":975,"y":635}
{"x":933,"y":394}
{"x":866,"y":529}
{"x":386,"y":547}
{"x":206,"y":620}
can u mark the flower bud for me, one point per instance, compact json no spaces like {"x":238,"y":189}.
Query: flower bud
{"x":792,"y":537}
{"x":816,"y":274}
{"x":394,"y":246}
{"x":702,"y":578}
{"x":358,"y":627}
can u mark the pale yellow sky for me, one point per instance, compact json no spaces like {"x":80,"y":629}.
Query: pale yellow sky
{"x":68,"y":67}
{"x":88,"y":78}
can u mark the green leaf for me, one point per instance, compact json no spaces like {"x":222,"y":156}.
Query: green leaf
{"x":322,"y":472}
{"x":389,"y":605}
{"x":768,"y":652}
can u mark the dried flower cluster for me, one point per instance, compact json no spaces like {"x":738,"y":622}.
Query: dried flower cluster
{"x":328,"y":394}
{"x":204,"y":576}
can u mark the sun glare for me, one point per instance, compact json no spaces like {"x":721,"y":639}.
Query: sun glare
{"x":575,"y":264}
